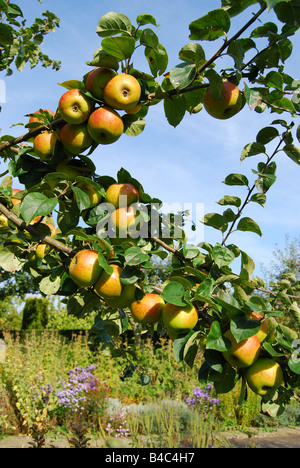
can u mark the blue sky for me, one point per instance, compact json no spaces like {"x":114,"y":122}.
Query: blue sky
{"x":185,"y":165}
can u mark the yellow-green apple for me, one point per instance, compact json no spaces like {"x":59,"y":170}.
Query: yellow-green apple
{"x":135,"y":109}
{"x":105,"y":126}
{"x":85,"y":269}
{"x":179,"y":318}
{"x":40,"y":251}
{"x":148,"y":310}
{"x":14,"y":200}
{"x":124,"y":220}
{"x":74,"y":107}
{"x":109,"y":285}
{"x":122,"y":92}
{"x":71,"y":171}
{"x":75,"y":138}
{"x":243,"y":353}
{"x":44,"y":145}
{"x":3,"y":220}
{"x":264,"y":377}
{"x":37,"y":120}
{"x":121,"y":195}
{"x":123,"y":301}
{"x":229,"y":103}
{"x":94,"y":195}
{"x":110,"y":288}
{"x":264,"y":327}
{"x":97,"y":80}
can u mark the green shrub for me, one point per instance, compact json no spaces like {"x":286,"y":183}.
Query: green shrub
{"x":35,"y":314}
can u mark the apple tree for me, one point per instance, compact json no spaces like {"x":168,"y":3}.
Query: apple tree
{"x":93,"y":238}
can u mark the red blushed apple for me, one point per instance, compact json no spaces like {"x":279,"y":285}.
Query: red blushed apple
{"x":264,"y":377}
{"x":75,"y":138}
{"x":148,"y":310}
{"x":122,"y":92}
{"x":85,"y":269}
{"x":97,"y":80}
{"x":264,"y":327}
{"x":105,"y":126}
{"x":121,"y":195}
{"x":179,"y":318}
{"x":37,"y":120}
{"x":244,"y":353}
{"x":44,"y":145}
{"x":229,"y":103}
{"x":74,"y":107}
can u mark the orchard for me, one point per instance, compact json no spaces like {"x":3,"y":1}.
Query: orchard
{"x":91,"y":238}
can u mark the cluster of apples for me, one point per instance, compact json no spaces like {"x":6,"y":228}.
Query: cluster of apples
{"x":263,"y":375}
{"x":85,"y":123}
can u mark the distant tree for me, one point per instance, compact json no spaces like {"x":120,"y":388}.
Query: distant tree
{"x":20,"y":43}
{"x":35,"y":314}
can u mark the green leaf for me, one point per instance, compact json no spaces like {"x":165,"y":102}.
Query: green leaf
{"x":149,"y":39}
{"x":179,"y":346}
{"x":182,"y":75}
{"x":259,"y":198}
{"x":157,"y":59}
{"x":236,"y":179}
{"x":133,"y":125}
{"x":135,"y":256}
{"x":226,"y":382}
{"x":243,"y":328}
{"x":6,"y":34}
{"x":37,"y":204}
{"x":9,"y":262}
{"x":235,"y":7}
{"x":288,"y":11}
{"x":119,"y":47}
{"x":292,"y":152}
{"x":192,"y":52}
{"x":174,"y":294}
{"x":211,"y":26}
{"x":216,"y":340}
{"x":267,"y":134}
{"x":215,"y":83}
{"x":252,"y":149}
{"x":272,"y":3}
{"x":114,"y":23}
{"x":72,"y":84}
{"x":82,"y":198}
{"x":247,"y":265}
{"x":104,"y":264}
{"x":175,"y":108}
{"x":253,"y":97}
{"x":230,"y":200}
{"x":216,"y":221}
{"x":247,"y":224}
{"x":222,"y":256}
{"x":146,"y":19}
{"x":228,"y":302}
{"x":49,"y":286}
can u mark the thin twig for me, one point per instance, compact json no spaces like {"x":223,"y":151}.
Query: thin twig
{"x":32,"y":230}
